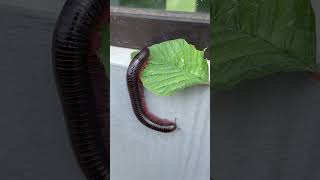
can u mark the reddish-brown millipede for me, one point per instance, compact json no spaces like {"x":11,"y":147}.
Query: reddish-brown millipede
{"x":136,"y":92}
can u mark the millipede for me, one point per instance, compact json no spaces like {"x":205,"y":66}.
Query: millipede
{"x":82,"y":83}
{"x":136,"y":93}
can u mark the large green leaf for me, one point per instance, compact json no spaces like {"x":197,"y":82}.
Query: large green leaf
{"x":174,"y":65}
{"x":255,"y":38}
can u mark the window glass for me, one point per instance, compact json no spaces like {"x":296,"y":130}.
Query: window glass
{"x":168,"y":5}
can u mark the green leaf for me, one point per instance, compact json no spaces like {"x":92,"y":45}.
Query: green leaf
{"x":104,"y":50}
{"x":255,"y":38}
{"x":174,"y":65}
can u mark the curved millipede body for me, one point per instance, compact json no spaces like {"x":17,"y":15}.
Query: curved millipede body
{"x":137,"y":98}
{"x":82,"y":83}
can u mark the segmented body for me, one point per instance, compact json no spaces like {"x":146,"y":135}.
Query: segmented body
{"x":136,"y":92}
{"x":83,"y":86}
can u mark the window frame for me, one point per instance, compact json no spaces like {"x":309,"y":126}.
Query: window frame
{"x":137,"y":28}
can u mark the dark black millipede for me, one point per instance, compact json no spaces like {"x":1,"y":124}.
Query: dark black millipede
{"x":82,"y":83}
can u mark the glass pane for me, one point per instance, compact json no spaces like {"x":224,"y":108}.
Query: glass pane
{"x":168,"y":5}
